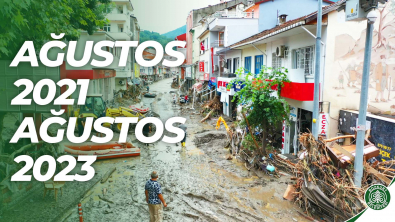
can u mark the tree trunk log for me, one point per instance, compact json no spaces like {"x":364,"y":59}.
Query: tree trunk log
{"x":264,"y":138}
{"x":208,"y":115}
{"x":249,"y":129}
{"x":24,"y":148}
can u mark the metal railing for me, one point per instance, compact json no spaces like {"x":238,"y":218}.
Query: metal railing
{"x":218,"y":43}
{"x":223,"y":14}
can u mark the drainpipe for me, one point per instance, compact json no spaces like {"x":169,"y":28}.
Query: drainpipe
{"x":316,"y":110}
{"x":324,"y":51}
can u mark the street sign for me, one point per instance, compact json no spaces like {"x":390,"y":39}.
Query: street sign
{"x":357,"y":10}
{"x":354,"y":12}
{"x":201,"y":66}
{"x":188,"y":73}
{"x":324,"y":121}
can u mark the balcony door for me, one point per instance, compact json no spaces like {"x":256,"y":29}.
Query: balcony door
{"x":258,"y":64}
{"x":247,"y":64}
{"x":221,"y":38}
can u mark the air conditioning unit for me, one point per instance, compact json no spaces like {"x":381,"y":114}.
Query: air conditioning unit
{"x":281,"y":51}
{"x":121,"y":82}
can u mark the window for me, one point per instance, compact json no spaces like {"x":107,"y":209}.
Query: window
{"x":229,"y":65}
{"x":108,"y":9}
{"x":235,"y":64}
{"x":303,"y":58}
{"x":107,"y":28}
{"x":120,"y":10}
{"x":221,"y":39}
{"x":258,"y":64}
{"x":120,"y":28}
{"x":276,"y":61}
{"x":247,"y":64}
{"x":203,"y":46}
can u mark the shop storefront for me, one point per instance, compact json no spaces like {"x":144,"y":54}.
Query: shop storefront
{"x":226,"y":95}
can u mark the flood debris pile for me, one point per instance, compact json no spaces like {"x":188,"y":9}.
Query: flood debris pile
{"x":132,"y":93}
{"x":211,"y":108}
{"x":322,"y":188}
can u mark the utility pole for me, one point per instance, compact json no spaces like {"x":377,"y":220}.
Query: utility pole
{"x":317,"y":75}
{"x":363,"y":103}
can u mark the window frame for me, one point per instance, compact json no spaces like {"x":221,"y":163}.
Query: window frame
{"x":107,"y":28}
{"x":276,"y":61}
{"x":301,"y":59}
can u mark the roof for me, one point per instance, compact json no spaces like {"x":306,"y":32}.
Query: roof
{"x":263,"y":1}
{"x":148,"y":55}
{"x":288,"y":25}
{"x":182,"y":37}
{"x":222,"y":3}
{"x":203,"y":33}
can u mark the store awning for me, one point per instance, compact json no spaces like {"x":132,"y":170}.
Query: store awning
{"x":90,"y":74}
{"x":298,"y":91}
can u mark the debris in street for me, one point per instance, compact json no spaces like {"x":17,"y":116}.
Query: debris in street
{"x":105,"y":199}
{"x":108,"y":174}
{"x":321,"y":185}
{"x":207,"y":116}
{"x":344,"y":155}
{"x":289,"y":193}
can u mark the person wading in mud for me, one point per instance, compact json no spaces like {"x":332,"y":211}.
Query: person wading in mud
{"x":154,"y":197}
{"x":147,"y":131}
{"x":183,"y":127}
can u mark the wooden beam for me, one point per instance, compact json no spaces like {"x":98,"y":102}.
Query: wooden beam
{"x":343,"y":151}
{"x":376,"y":173}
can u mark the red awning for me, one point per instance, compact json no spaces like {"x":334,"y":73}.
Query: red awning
{"x":182,"y":37}
{"x":298,"y":91}
{"x":90,"y":74}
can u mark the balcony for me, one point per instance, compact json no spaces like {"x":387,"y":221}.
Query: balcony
{"x":118,"y":17}
{"x":122,"y":73}
{"x":121,"y":35}
{"x":223,"y":14}
{"x":217,"y":44}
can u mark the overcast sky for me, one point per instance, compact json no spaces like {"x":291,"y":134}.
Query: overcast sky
{"x":165,"y":15}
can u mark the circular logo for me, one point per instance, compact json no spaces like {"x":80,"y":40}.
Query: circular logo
{"x":377,"y":197}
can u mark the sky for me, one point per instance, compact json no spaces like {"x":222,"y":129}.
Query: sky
{"x":165,"y":15}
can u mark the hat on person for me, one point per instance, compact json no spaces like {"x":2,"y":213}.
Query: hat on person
{"x":154,"y":175}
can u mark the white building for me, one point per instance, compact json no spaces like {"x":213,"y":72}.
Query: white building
{"x":122,"y":28}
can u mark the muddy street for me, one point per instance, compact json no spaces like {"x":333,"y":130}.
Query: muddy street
{"x":198,"y":183}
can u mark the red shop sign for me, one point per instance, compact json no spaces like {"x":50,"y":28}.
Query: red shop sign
{"x":201,"y":66}
{"x":206,"y":76}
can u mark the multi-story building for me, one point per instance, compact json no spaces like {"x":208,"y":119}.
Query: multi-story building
{"x":122,"y":27}
{"x":135,"y":29}
{"x":195,"y":28}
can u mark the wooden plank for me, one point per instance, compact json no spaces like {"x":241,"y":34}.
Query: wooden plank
{"x":373,"y":171}
{"x":108,"y":174}
{"x":339,"y":137}
{"x":343,"y":151}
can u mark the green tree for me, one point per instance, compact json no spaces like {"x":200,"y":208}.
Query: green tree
{"x":154,"y":36}
{"x":262,"y":102}
{"x":35,"y":20}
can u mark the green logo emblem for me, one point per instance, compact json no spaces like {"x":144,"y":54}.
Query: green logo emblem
{"x":377,"y":197}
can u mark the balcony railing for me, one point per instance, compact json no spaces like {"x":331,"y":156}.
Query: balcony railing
{"x":218,"y":43}
{"x":223,"y":14}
